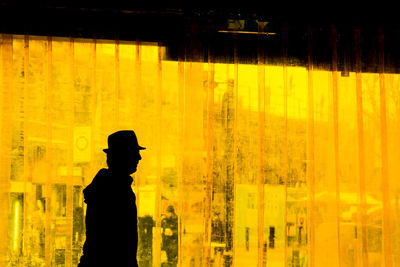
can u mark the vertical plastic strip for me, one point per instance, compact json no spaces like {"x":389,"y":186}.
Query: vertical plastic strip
{"x":6,"y":96}
{"x":361,"y":161}
{"x":235,"y":140}
{"x":310,"y":152}
{"x":137,"y":73}
{"x":94,"y":102}
{"x":158,"y":136}
{"x":49,"y":151}
{"x":70,"y":160}
{"x":285,"y":107}
{"x":181,"y":127}
{"x":117,"y":85}
{"x":336,"y":130}
{"x":27,"y":196}
{"x":261,"y":147}
{"x":386,"y":231}
{"x":210,"y":159}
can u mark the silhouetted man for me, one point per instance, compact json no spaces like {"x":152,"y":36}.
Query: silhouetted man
{"x":111,"y":216}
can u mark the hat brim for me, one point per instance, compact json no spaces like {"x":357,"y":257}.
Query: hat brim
{"x":139,"y":148}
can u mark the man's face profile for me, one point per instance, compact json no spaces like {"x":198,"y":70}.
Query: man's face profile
{"x":125,"y":162}
{"x":133,"y":161}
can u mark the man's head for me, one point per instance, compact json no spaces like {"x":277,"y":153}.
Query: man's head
{"x":123,"y":152}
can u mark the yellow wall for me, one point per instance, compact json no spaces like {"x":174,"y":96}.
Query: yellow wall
{"x":311,"y":153}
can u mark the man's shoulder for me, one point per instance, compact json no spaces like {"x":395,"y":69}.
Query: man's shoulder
{"x":97,"y":186}
{"x":102,"y":173}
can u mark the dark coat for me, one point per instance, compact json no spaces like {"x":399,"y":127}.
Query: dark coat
{"x":111,"y":222}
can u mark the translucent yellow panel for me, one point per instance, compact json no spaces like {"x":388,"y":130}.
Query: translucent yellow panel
{"x":373,"y":166}
{"x":325,"y":211}
{"x":392,"y":113}
{"x":348,"y":229}
{"x":297,"y":205}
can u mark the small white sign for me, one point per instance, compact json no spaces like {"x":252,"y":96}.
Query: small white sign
{"x":82,"y":144}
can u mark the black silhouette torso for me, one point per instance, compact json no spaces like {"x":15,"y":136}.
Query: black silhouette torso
{"x":111,"y":221}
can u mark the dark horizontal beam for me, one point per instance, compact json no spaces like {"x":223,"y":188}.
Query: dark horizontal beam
{"x":199,"y":34}
{"x":86,"y":18}
{"x":89,"y":22}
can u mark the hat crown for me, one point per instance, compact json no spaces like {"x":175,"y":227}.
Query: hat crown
{"x":123,"y":140}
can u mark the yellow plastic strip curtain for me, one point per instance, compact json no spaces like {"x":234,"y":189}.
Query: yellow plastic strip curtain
{"x":265,"y":163}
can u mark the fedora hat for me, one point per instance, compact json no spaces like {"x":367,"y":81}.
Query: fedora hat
{"x":123,"y":141}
